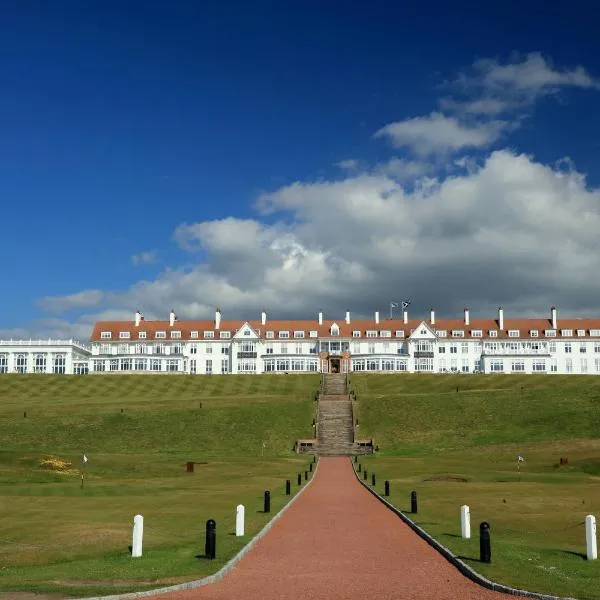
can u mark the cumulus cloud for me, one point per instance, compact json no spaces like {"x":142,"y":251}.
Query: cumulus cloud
{"x":446,"y":231}
{"x":60,"y":304}
{"x":479,"y":237}
{"x":491,"y":87}
{"x":436,"y":133}
{"x":143,"y":258}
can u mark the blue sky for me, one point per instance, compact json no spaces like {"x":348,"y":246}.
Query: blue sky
{"x":137,"y":137}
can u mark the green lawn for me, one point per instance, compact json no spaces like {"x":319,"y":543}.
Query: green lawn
{"x":138,"y":432}
{"x":460,"y":447}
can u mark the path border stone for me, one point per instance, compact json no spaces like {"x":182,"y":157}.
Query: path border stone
{"x":224,"y":570}
{"x":463,"y":567}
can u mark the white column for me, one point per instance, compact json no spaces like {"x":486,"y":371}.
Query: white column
{"x":465,"y":522}
{"x":590,"y":537}
{"x":239,"y":520}
{"x":138,"y":534}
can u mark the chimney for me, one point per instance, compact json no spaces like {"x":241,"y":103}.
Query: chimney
{"x":218,"y":318}
{"x":432,"y":318}
{"x":467,"y":317}
{"x":172,"y":318}
{"x":320,"y":317}
{"x":553,"y":316}
{"x":377,"y":316}
{"x":138,"y":317}
{"x":405,"y":316}
{"x":263,"y":318}
{"x":347,"y":317}
{"x":500,"y":318}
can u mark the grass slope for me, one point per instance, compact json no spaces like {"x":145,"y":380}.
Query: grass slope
{"x":460,"y":447}
{"x":138,"y":432}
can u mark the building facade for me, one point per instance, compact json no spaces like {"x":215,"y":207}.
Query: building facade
{"x":59,"y":357}
{"x":465,"y":345}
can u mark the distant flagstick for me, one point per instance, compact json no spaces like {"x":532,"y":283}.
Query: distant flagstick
{"x":84,"y":460}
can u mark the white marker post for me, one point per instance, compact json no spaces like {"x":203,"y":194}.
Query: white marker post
{"x":590,"y":537}
{"x":465,"y":522}
{"x":239,"y":520}
{"x":138,"y":534}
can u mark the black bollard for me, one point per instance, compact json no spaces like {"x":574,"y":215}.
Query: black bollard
{"x":210,"y":546}
{"x":314,"y":458}
{"x":267,"y":507}
{"x":299,"y":479}
{"x":485,"y":546}
{"x":373,"y":480}
{"x":413,"y":503}
{"x":305,"y":475}
{"x":288,"y":487}
{"x":310,"y":467}
{"x":359,"y":467}
{"x":365,"y":475}
{"x":387,"y":488}
{"x":356,"y":459}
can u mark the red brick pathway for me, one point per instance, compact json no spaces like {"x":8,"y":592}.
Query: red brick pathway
{"x":339,"y":542}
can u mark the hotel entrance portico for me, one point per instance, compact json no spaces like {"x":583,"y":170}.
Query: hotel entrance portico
{"x":334,"y":363}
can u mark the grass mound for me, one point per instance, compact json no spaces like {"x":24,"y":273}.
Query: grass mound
{"x":60,"y":533}
{"x":455,"y":440}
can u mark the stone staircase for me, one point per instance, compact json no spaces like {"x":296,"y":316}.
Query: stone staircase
{"x":335,"y":429}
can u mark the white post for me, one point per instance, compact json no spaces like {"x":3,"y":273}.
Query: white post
{"x":239,"y":520}
{"x":465,"y":522}
{"x":590,"y":537}
{"x":138,"y":534}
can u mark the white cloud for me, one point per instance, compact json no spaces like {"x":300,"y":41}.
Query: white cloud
{"x":491,"y":87}
{"x":437,"y":133}
{"x":350,"y":164}
{"x":403,"y":169}
{"x":144,"y":258}
{"x":494,"y":234}
{"x":84,"y":299}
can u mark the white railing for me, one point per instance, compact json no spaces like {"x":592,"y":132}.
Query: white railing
{"x":48,"y":342}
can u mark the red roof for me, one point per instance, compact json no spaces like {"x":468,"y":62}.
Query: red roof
{"x":524,"y":326}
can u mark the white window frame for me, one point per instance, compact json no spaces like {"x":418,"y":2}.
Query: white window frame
{"x":160,"y":335}
{"x":105,"y":335}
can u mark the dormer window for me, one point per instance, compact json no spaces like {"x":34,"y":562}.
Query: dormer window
{"x":194,"y":335}
{"x":142,"y":335}
{"x":581,"y":332}
{"x":476,"y":333}
{"x":441,"y":333}
{"x":284,"y":334}
{"x":513,"y":333}
{"x":335,"y":330}
{"x":550,"y":333}
{"x":314,"y":334}
{"x":458,"y":333}
{"x":176,"y":335}
{"x":533,"y":333}
{"x":270,"y":335}
{"x":385,"y":334}
{"x":298,"y":335}
{"x":371,"y":333}
{"x":400,"y":333}
{"x":493,"y":333}
{"x":124,"y":335}
{"x":160,"y":335}
{"x":209,"y":335}
{"x":225,"y":335}
{"x":356,"y":333}
{"x":567,"y":332}
{"x":105,"y":335}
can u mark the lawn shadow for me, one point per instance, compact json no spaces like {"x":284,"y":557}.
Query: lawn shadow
{"x":453,"y":535}
{"x":469,"y":558}
{"x":203,"y":557}
{"x":573,"y":553}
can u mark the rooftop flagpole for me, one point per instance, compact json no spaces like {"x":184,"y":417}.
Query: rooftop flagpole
{"x":393,"y":305}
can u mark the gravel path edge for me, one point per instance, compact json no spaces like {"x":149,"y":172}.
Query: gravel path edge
{"x":224,"y":570}
{"x":464,"y":568}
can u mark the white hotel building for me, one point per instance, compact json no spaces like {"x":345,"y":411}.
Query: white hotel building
{"x":465,"y":345}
